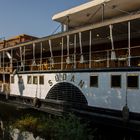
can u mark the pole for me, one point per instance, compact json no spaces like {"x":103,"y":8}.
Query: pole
{"x":75,"y":51}
{"x":90,"y":43}
{"x":129,"y":44}
{"x":41,"y":56}
{"x":62,"y":45}
{"x":103,"y":11}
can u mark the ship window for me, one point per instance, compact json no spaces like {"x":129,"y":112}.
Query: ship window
{"x":20,"y":80}
{"x":132,"y":81}
{"x":29,"y":80}
{"x":116,"y":81}
{"x":35,"y":80}
{"x":41,"y":80}
{"x":93,"y":81}
{"x":12,"y":79}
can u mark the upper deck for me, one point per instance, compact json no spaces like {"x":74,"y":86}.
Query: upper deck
{"x":112,"y":43}
{"x":95,"y":11}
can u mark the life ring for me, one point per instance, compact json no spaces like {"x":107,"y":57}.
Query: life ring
{"x":36,"y":102}
{"x":125,"y":113}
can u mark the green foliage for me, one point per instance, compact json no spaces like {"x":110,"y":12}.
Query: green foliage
{"x":27,"y":123}
{"x":65,"y":128}
{"x":70,"y":128}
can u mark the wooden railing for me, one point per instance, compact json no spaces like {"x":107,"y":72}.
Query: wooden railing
{"x":99,"y":59}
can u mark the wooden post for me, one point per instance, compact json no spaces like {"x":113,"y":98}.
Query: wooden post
{"x":41,"y":45}
{"x":62,"y":47}
{"x":3,"y":61}
{"x":33,"y":51}
{"x":21,"y":60}
{"x":34,"y":59}
{"x":90,"y":43}
{"x":11,"y":61}
{"x":129,"y":44}
{"x":107,"y":59}
{"x":51,"y":59}
{"x":75,"y":51}
{"x":103,"y":11}
{"x":24,"y":58}
{"x":0,"y":59}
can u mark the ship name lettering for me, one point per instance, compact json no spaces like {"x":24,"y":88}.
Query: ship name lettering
{"x":50,"y":82}
{"x":81,"y":83}
{"x":63,"y":77}
{"x":73,"y":78}
{"x":57,"y":78}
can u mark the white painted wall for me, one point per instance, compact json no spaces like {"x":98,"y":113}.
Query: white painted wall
{"x":104,"y":96}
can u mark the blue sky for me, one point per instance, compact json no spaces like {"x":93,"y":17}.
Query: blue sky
{"x":31,"y":17}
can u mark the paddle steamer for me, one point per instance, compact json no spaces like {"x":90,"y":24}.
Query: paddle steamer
{"x":93,"y":63}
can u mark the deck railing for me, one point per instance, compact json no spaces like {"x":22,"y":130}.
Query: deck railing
{"x":99,"y":59}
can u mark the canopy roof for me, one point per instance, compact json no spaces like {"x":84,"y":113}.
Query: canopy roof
{"x":91,"y":12}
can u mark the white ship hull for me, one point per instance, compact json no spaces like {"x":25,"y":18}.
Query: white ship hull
{"x":103,"y":96}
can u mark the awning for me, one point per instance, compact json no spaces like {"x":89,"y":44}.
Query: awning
{"x":91,"y":12}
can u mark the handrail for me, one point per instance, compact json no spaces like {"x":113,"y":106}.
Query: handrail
{"x":99,"y":59}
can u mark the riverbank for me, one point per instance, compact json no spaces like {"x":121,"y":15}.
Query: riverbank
{"x":37,"y":124}
{"x":42,"y":124}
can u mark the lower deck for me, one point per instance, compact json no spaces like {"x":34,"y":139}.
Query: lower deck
{"x":112,"y":95}
{"x":110,"y":89}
